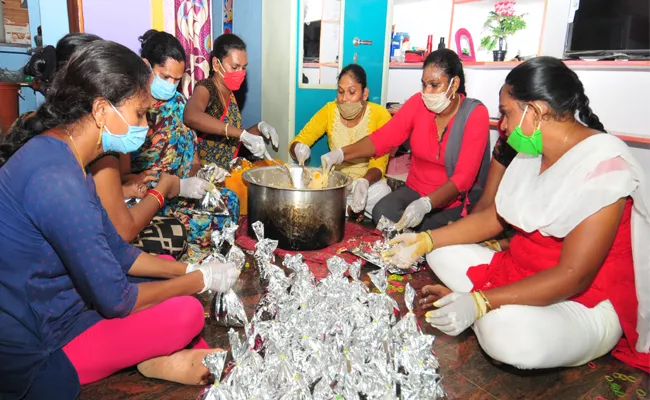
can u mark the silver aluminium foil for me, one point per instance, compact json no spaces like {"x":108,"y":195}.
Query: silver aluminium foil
{"x":328,"y":340}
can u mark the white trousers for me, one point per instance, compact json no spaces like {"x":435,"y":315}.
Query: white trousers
{"x":564,"y":334}
{"x":376,"y":192}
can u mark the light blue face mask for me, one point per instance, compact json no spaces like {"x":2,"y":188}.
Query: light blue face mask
{"x":162,"y":89}
{"x":132,"y":140}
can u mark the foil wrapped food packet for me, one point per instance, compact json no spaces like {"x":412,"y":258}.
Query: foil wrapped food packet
{"x":227,"y":308}
{"x":408,"y":324}
{"x":388,"y":228}
{"x":326,"y":341}
{"x":212,"y":203}
{"x":215,"y":362}
{"x":209,"y":173}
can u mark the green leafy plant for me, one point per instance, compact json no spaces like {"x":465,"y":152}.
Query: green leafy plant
{"x":501,"y":23}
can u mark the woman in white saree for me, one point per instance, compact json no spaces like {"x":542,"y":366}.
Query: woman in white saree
{"x":575,"y":283}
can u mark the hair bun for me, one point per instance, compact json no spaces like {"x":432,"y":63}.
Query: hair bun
{"x":42,"y":65}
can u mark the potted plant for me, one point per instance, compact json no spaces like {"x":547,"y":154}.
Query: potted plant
{"x":501,"y":23}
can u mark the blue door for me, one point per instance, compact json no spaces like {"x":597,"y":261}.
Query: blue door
{"x":363,"y":20}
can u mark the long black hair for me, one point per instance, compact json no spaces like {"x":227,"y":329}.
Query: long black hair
{"x":46,"y":61}
{"x":223,"y":44}
{"x":449,"y":62}
{"x":357,"y":72}
{"x":157,"y":47}
{"x":550,"y":80}
{"x":101,"y":69}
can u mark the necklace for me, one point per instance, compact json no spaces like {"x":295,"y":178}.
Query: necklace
{"x":76,"y":151}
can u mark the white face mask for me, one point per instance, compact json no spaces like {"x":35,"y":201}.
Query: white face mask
{"x":437,"y":102}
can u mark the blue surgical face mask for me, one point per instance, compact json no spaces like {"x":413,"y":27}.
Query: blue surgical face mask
{"x":162,"y":89}
{"x":132,"y":140}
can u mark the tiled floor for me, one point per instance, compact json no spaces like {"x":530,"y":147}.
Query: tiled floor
{"x":468,"y":373}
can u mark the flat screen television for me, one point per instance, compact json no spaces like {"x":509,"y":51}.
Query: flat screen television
{"x":610,"y":28}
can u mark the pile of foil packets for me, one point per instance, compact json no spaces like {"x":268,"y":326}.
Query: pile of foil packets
{"x":332,"y":339}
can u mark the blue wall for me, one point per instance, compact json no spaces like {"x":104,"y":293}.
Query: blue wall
{"x":54,"y":20}
{"x":247,"y":23}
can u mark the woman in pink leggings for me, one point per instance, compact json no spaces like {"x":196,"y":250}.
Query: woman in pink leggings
{"x":69,"y":316}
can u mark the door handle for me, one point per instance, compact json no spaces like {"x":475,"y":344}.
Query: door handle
{"x":356,"y":42}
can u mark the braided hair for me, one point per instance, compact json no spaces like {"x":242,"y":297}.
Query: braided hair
{"x":550,"y":80}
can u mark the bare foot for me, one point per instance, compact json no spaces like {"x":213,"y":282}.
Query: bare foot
{"x":184,"y":367}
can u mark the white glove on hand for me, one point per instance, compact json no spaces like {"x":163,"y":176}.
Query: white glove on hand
{"x":194,"y":187}
{"x":218,"y":277}
{"x":269,"y":133}
{"x":359,"y":195}
{"x":414,"y":213}
{"x":456,"y":312}
{"x":329,"y":160}
{"x":302,"y":152}
{"x":253,"y":143}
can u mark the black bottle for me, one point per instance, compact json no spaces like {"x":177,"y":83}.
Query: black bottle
{"x":441,"y":45}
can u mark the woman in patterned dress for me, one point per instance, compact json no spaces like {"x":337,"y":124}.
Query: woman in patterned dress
{"x":213,"y":111}
{"x":167,"y":154}
{"x":171,"y":147}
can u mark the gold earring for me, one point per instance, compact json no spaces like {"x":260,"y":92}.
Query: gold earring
{"x":453,"y":96}
{"x":99,"y":139}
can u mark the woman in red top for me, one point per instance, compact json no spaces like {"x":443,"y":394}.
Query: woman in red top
{"x":573,"y":285}
{"x":448,"y":134}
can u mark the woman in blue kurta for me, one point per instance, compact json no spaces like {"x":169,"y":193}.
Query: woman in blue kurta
{"x":68,"y":314}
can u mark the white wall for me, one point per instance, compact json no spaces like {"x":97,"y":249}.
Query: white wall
{"x":472,"y":16}
{"x":618,"y":97}
{"x":421,"y":18}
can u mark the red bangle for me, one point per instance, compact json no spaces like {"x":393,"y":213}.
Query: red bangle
{"x":158,"y":196}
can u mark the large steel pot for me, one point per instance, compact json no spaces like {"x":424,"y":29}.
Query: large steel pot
{"x":299,"y":219}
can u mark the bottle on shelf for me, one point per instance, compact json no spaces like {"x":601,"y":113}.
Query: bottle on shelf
{"x":406,"y":46}
{"x":441,"y":45}
{"x":429,"y":44}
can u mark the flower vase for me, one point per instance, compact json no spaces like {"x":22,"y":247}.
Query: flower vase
{"x":500,"y":55}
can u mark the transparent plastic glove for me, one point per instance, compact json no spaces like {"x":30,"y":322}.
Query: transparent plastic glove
{"x":191,"y":268}
{"x":329,"y":160}
{"x":407,"y":248}
{"x":456,"y":312}
{"x":269,"y":133}
{"x":194,"y":187}
{"x":414,"y":213}
{"x":218,"y":277}
{"x":218,"y":175}
{"x":359,"y":195}
{"x":253,"y":143}
{"x":302,"y":152}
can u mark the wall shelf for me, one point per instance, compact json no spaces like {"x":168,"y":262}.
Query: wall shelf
{"x":317,"y":65}
{"x":573,"y":64}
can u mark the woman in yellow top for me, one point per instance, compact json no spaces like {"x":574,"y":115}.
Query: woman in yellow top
{"x":348,"y":119}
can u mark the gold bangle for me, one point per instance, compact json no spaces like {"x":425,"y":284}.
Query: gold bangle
{"x":485,"y":299}
{"x":480,"y":305}
{"x":433,"y":244}
{"x":226,"y":129}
